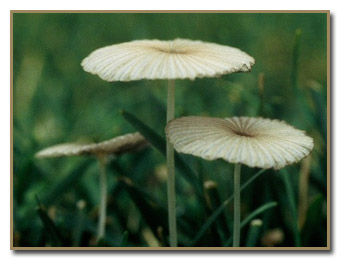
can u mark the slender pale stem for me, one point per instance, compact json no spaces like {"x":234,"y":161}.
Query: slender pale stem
{"x":171,"y":168}
{"x":237,"y":205}
{"x":103,"y":197}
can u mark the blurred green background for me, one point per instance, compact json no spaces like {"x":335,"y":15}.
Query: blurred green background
{"x":55,"y":101}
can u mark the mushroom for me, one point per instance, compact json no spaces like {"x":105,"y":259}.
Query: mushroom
{"x":255,"y":142}
{"x":118,"y":145}
{"x":176,"y":59}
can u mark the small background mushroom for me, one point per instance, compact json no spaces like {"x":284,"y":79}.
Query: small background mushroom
{"x":102,"y":151}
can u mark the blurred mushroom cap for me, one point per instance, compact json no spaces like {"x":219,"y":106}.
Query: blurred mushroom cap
{"x":118,"y":145}
{"x":273,"y":237}
{"x":255,"y":142}
{"x":155,"y":59}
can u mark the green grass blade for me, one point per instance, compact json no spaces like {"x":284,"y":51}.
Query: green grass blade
{"x":313,"y":220}
{"x":257,"y":212}
{"x":160,"y":144}
{"x":219,"y":227}
{"x":254,"y":232}
{"x":49,"y":225}
{"x":320,"y":102}
{"x":80,"y":224}
{"x":260,"y":83}
{"x":151,"y":212}
{"x":253,"y":215}
{"x":125,"y":237}
{"x":154,"y":213}
{"x":155,"y":139}
{"x":293,"y":93}
{"x":292,"y":204}
{"x":296,"y":55}
{"x":220,"y":209}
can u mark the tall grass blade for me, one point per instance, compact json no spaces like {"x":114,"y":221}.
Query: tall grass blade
{"x":155,"y":139}
{"x":260,"y":82}
{"x":292,"y":204}
{"x":320,"y":102}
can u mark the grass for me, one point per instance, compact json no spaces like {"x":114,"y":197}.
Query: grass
{"x":56,"y":101}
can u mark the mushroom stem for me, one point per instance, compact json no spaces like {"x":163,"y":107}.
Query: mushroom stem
{"x":237,"y":205}
{"x":103,"y":197}
{"x":171,"y":168}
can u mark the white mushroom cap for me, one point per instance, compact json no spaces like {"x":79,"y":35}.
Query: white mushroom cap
{"x":155,"y":59}
{"x":117,"y":145}
{"x":255,"y":142}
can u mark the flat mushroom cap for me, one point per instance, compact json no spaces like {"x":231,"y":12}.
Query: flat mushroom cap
{"x":115,"y":146}
{"x":155,"y":59}
{"x":255,"y":142}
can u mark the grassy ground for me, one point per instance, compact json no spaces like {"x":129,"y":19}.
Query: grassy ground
{"x":55,"y":101}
